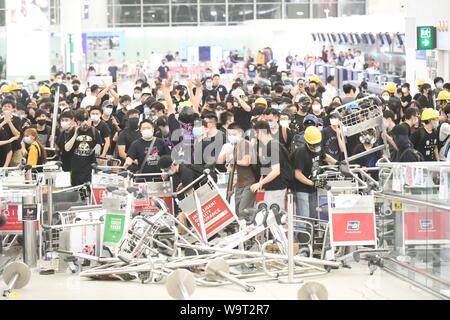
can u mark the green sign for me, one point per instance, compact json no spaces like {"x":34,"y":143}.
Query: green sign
{"x":114,"y":228}
{"x":426,"y":38}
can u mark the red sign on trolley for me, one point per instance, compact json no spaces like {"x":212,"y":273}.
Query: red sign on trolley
{"x":149,"y":207}
{"x":98,"y":194}
{"x":216,"y":216}
{"x":14,"y":224}
{"x":426,"y":227}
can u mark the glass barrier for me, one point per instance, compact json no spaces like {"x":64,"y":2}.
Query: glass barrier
{"x":414,"y":223}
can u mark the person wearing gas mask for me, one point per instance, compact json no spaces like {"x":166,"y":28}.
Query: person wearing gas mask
{"x":102,"y":127}
{"x":12,"y":126}
{"x":84,"y":145}
{"x":425,"y":139}
{"x":75,"y":98}
{"x":368,"y":140}
{"x":307,"y":160}
{"x":146,"y":152}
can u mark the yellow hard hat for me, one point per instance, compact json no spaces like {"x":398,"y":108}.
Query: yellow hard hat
{"x":44,"y":90}
{"x":13,"y":87}
{"x":185,"y":104}
{"x":313,"y":136}
{"x":315,"y":78}
{"x":261,"y":101}
{"x":391,"y":88}
{"x":420,"y":82}
{"x":5,"y":89}
{"x":444,"y":95}
{"x":429,"y":114}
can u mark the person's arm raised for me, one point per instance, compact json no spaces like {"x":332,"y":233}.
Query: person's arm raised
{"x":167,"y":97}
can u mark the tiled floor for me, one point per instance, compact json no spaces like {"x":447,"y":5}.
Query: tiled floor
{"x":342,"y":284}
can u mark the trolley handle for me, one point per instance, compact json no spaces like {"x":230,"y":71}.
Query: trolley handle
{"x":206,"y":173}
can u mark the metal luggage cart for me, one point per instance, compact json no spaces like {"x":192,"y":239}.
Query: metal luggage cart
{"x":150,"y":190}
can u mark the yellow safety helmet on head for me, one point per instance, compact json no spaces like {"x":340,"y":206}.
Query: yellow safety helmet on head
{"x":420,"y":82}
{"x":44,"y":90}
{"x":313,"y":136}
{"x":5,"y":89}
{"x":444,"y":95}
{"x":391,"y":88}
{"x":261,"y":101}
{"x":429,"y":114}
{"x":13,"y":87}
{"x":315,"y":78}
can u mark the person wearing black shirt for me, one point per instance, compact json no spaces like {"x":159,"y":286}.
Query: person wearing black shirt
{"x":113,"y":125}
{"x":13,"y":128}
{"x":67,"y":128}
{"x":333,"y":144}
{"x":129,"y":135}
{"x":44,"y":131}
{"x":5,"y":148}
{"x":425,"y":99}
{"x":76,"y":97}
{"x":125,"y":103}
{"x":307,"y":161}
{"x":163,"y":70}
{"x":405,"y":99}
{"x":271,"y":161}
{"x":209,"y":91}
{"x":368,"y":140}
{"x":59,"y":84}
{"x":411,"y":120}
{"x":147,"y":151}
{"x":242,"y":110}
{"x":113,"y":69}
{"x":105,"y":133}
{"x":425,"y":139}
{"x":223,"y":92}
{"x":84,"y":145}
{"x":282,"y":134}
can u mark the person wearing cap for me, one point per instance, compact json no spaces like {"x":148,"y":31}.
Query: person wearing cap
{"x":308,"y":159}
{"x":425,"y":139}
{"x":444,"y":135}
{"x":333,"y":144}
{"x":240,"y":108}
{"x":425,"y":99}
{"x":394,"y":103}
{"x":105,"y":133}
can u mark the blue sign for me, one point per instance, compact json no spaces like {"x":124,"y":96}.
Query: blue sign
{"x":421,"y":55}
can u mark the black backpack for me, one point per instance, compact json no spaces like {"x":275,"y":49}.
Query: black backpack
{"x":419,"y":157}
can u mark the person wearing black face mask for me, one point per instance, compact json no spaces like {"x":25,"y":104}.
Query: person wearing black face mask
{"x":75,"y":98}
{"x":210,"y":106}
{"x":43,"y":129}
{"x":304,"y":108}
{"x":178,"y":96}
{"x":129,"y":135}
{"x":425,"y":99}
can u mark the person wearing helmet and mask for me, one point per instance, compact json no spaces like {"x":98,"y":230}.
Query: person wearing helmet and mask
{"x":425,"y":139}
{"x":314,"y":90}
{"x":442,"y":99}
{"x":147,"y":151}
{"x":307,"y":160}
{"x":84,"y":145}
{"x":368,"y":140}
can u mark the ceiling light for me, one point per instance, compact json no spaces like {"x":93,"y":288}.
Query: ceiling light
{"x":300,"y":13}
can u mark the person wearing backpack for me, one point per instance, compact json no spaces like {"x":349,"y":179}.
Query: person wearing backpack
{"x":307,"y":161}
{"x":273,"y":166}
{"x":35,"y":151}
{"x":425,"y":139}
{"x":444,"y":135}
{"x":406,"y":152}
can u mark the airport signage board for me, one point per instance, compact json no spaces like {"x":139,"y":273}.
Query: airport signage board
{"x":426,"y":38}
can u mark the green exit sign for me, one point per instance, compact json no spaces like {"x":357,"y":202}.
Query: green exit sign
{"x":426,"y":38}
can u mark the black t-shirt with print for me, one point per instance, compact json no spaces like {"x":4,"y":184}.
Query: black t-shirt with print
{"x":104,"y":130}
{"x":83,"y":152}
{"x":331,"y":143}
{"x":139,"y":151}
{"x":17,"y":122}
{"x":425,"y":143}
{"x":309,"y":164}
{"x":65,"y":156}
{"x":71,"y":97}
{"x":268,"y":156}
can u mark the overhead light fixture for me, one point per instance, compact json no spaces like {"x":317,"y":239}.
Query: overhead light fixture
{"x":327,"y":12}
{"x":300,"y":13}
{"x":213,"y":13}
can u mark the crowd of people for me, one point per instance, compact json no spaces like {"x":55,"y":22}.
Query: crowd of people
{"x":274,"y":135}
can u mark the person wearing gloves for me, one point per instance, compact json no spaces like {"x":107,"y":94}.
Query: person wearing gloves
{"x":84,"y":145}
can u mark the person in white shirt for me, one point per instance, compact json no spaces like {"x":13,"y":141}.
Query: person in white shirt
{"x":359,"y":61}
{"x":330,"y":92}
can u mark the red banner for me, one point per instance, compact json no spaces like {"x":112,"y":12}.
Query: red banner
{"x":427,"y":227}
{"x":216,"y":216}
{"x":99,"y":194}
{"x":13,"y":224}
{"x":353,"y":228}
{"x":148,"y":206}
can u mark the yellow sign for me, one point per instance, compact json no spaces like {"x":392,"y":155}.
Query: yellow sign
{"x":397,"y":206}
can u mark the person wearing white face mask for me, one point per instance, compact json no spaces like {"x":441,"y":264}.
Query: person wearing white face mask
{"x":283,"y":135}
{"x":405,"y":99}
{"x":439,"y":84}
{"x":63,"y":90}
{"x":102,"y":127}
{"x":147,"y":151}
{"x":113,"y":124}
{"x":67,"y":127}
{"x":317,"y":110}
